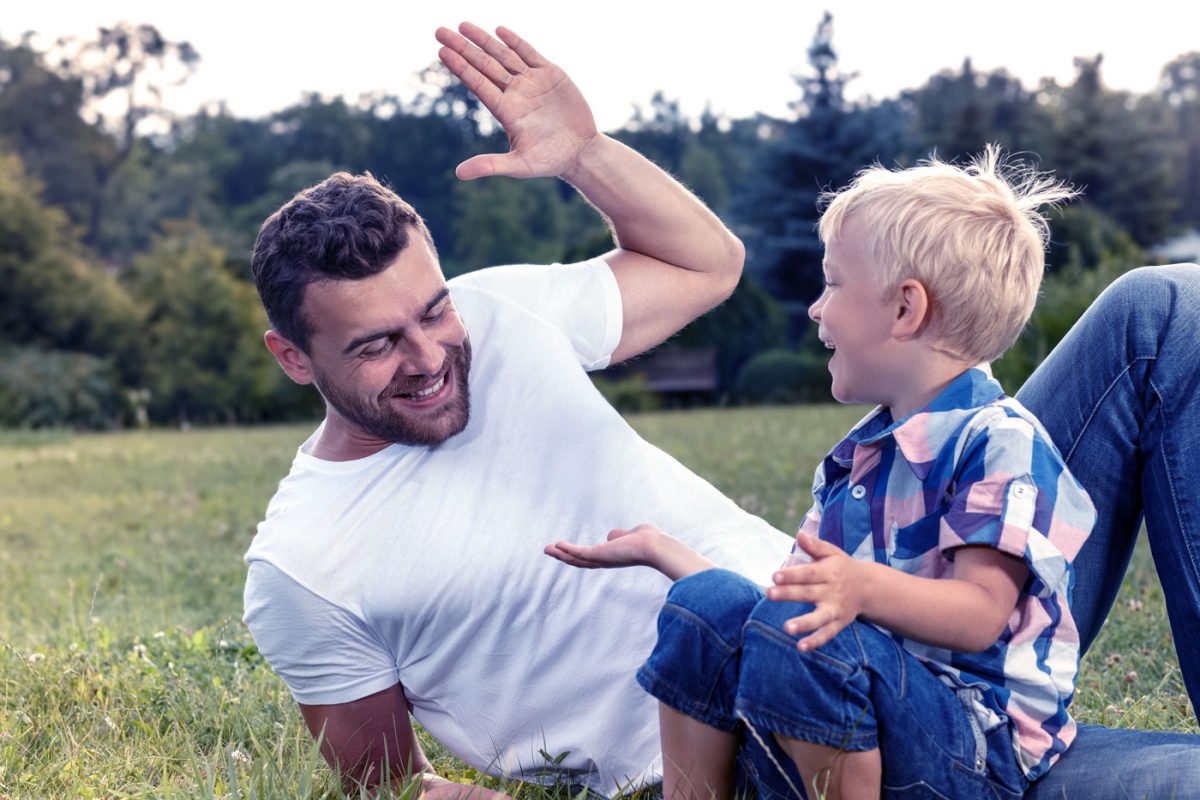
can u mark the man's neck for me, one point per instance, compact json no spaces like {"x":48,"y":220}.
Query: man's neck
{"x":340,"y":441}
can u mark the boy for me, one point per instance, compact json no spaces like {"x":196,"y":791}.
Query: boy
{"x":920,"y":641}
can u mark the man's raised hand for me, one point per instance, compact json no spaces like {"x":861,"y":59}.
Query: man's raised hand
{"x":548,"y":122}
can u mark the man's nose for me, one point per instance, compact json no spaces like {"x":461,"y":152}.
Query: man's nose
{"x":425,"y":355}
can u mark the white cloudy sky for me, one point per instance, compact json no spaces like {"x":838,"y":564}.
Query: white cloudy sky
{"x":738,"y":56}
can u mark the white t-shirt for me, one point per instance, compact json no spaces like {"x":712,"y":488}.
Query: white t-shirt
{"x":424,"y":565}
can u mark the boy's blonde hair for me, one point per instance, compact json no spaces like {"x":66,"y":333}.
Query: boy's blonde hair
{"x":973,"y":236}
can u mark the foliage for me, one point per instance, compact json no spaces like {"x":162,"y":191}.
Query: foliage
{"x":628,"y":395}
{"x":1088,"y":252}
{"x":52,"y":389}
{"x":126,"y":670}
{"x":202,"y":358}
{"x":86,"y":198}
{"x":52,"y":296}
{"x":784,"y":376}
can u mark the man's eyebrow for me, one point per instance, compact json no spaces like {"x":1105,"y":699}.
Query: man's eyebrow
{"x":359,"y":341}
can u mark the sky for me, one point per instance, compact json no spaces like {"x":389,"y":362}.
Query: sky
{"x":737,"y":58}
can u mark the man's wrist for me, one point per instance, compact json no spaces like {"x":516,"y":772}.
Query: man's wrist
{"x":590,"y":161}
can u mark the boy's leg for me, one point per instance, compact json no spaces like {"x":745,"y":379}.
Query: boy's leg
{"x":693,"y":671}
{"x":698,"y":760}
{"x":1120,"y":396}
{"x":835,"y":774}
{"x":861,"y":693}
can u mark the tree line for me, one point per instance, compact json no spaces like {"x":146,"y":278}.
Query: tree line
{"x":125,"y":231}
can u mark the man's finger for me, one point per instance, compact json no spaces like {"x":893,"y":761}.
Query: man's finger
{"x":488,"y":92}
{"x":521,"y":47}
{"x":483,"y":166}
{"x":512,"y":63}
{"x":484,"y":62}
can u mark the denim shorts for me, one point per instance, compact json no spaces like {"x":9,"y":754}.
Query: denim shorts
{"x":722,"y":658}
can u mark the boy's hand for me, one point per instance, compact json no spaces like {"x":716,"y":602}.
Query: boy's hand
{"x":547,"y":120}
{"x":833,"y":582}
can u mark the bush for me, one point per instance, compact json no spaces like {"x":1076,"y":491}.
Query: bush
{"x":784,"y":376}
{"x":627,"y":395}
{"x":55,"y":389}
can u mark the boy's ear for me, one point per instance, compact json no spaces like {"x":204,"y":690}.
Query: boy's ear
{"x":913,"y":309}
{"x":291,"y":358}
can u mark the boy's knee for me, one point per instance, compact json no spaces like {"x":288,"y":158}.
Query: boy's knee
{"x":715,"y":592}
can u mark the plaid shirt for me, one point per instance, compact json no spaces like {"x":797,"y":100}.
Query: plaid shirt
{"x":973,"y":467}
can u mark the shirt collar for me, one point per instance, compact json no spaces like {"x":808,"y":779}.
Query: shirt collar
{"x":922,"y":434}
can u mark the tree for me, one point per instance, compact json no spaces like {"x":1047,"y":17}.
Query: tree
{"x":819,"y":151}
{"x":1179,"y":88}
{"x":201,"y":356}
{"x":53,"y":297}
{"x":40,"y":122}
{"x":1120,"y":149}
{"x":958,"y":114}
{"x":127,"y":68}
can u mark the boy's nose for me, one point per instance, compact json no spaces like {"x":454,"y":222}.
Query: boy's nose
{"x":814,"y":311}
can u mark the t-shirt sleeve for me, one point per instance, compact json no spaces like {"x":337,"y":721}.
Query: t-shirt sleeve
{"x":324,"y":653}
{"x":1012,"y":492}
{"x":581,"y":300}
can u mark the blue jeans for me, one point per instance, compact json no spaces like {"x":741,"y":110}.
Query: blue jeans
{"x":1120,"y":396}
{"x":722,"y":658}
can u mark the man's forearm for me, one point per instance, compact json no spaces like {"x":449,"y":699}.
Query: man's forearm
{"x":651,"y":213}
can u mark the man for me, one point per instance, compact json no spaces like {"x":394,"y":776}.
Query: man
{"x":399,"y":567}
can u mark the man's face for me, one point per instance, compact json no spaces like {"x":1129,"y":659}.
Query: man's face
{"x":389,"y":353}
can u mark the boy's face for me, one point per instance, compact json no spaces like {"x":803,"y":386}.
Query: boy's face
{"x":855,"y":321}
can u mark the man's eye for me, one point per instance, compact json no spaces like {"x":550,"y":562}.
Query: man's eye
{"x":436,"y":316}
{"x":374,"y":350}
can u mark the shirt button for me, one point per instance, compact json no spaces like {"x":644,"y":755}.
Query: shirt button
{"x":1019,"y":491}
{"x":858,"y":492}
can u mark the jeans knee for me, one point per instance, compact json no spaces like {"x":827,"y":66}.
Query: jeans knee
{"x":720,"y":597}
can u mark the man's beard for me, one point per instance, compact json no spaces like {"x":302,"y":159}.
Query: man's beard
{"x":379,"y":418}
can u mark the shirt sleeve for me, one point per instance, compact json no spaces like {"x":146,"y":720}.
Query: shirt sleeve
{"x":581,"y":300}
{"x":1012,"y":492}
{"x":324,"y":653}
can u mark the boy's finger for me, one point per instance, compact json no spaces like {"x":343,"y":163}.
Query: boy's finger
{"x":793,"y":593}
{"x":816,"y":547}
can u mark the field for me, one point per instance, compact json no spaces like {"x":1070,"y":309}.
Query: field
{"x":125,"y":670}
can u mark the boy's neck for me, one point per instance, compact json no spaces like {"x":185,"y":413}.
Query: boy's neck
{"x":929,"y":378}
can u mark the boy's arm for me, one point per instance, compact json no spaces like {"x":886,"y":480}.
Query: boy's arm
{"x":643,"y":546}
{"x":966,"y":613}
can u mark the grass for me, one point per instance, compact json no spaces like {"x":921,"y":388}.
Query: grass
{"x":125,"y":670}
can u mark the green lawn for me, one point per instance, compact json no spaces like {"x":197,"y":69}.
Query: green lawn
{"x":125,"y":670}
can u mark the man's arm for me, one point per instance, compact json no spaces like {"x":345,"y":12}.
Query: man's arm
{"x":643,"y":546}
{"x":674,"y":258}
{"x":370,"y":741}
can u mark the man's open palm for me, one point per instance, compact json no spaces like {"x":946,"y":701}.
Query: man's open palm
{"x":545,"y":116}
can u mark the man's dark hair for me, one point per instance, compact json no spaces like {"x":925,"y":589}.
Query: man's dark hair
{"x":346,"y":228}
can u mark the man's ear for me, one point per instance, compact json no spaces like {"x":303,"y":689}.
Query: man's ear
{"x":293,"y":360}
{"x":912,"y":308}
